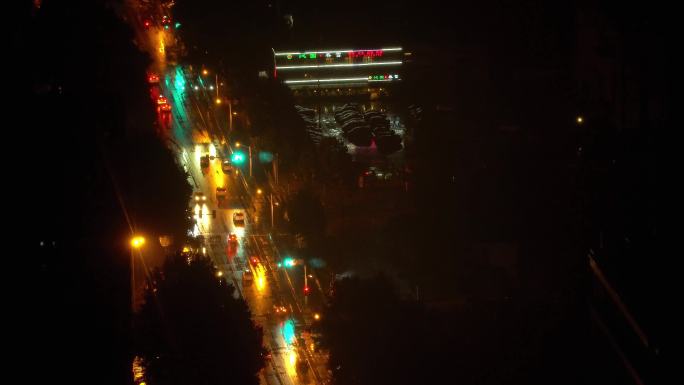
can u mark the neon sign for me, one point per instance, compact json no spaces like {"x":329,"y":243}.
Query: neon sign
{"x":371,"y":53}
{"x":383,"y":77}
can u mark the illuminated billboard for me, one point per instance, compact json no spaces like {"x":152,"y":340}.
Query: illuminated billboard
{"x":334,"y":68}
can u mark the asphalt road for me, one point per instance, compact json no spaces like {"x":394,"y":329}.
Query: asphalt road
{"x":195,"y":130}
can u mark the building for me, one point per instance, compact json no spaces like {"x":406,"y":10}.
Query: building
{"x":331,"y":71}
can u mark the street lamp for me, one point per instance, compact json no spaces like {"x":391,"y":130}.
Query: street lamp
{"x":137,"y":242}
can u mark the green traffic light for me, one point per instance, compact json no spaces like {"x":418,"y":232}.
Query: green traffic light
{"x":238,"y":158}
{"x":289,"y":262}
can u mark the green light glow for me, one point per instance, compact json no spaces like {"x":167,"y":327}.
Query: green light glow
{"x":238,"y":158}
{"x":288,"y":331}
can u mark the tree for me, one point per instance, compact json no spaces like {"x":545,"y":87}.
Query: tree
{"x":85,"y":89}
{"x":156,"y":187}
{"x":192,"y":329}
{"x":373,"y":336}
{"x":306,"y":214}
{"x":334,"y":162}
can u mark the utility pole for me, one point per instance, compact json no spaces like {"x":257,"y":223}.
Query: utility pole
{"x":275,"y":169}
{"x":271,"y":199}
{"x":306,"y":286}
{"x":230,"y":115}
{"x":250,"y":160}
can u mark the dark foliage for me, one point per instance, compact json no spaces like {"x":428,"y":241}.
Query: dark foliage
{"x":83,"y":103}
{"x":306,"y":214}
{"x":192,"y":329}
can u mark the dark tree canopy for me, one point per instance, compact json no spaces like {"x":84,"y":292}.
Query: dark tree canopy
{"x":192,"y":329}
{"x":377,"y":337}
{"x":87,"y":105}
{"x":306,"y":214}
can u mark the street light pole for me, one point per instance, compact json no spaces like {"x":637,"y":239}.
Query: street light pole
{"x":132,"y":280}
{"x":137,"y":243}
{"x":271,"y":199}
{"x":250,"y":160}
{"x":275,"y":169}
{"x":230,"y":113}
{"x":306,"y":285}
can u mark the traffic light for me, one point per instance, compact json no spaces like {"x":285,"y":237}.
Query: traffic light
{"x":306,"y":290}
{"x":238,"y":158}
{"x":265,"y":157}
{"x":288,"y":262}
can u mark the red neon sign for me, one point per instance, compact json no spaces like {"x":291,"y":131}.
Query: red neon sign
{"x":371,"y":53}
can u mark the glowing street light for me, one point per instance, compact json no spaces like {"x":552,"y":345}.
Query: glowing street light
{"x":205,"y":72}
{"x":580,"y":120}
{"x":259,"y":191}
{"x":218,"y":101}
{"x":137,"y":242}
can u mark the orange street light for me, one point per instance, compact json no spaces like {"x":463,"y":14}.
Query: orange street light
{"x":137,"y":242}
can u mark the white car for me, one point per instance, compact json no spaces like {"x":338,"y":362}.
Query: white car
{"x":227,"y":167}
{"x":239,"y":219}
{"x":200,"y":197}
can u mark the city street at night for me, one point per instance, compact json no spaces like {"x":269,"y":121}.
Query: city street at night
{"x":292,"y":192}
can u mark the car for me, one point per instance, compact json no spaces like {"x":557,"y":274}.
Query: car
{"x":200,"y":197}
{"x":266,"y":354}
{"x":204,"y":161}
{"x":247,"y":277}
{"x":165,"y":108}
{"x":153,"y":78}
{"x":227,"y":167}
{"x":239,"y":219}
{"x":221,"y":192}
{"x":232,"y":238}
{"x":279,"y":309}
{"x":162,"y":100}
